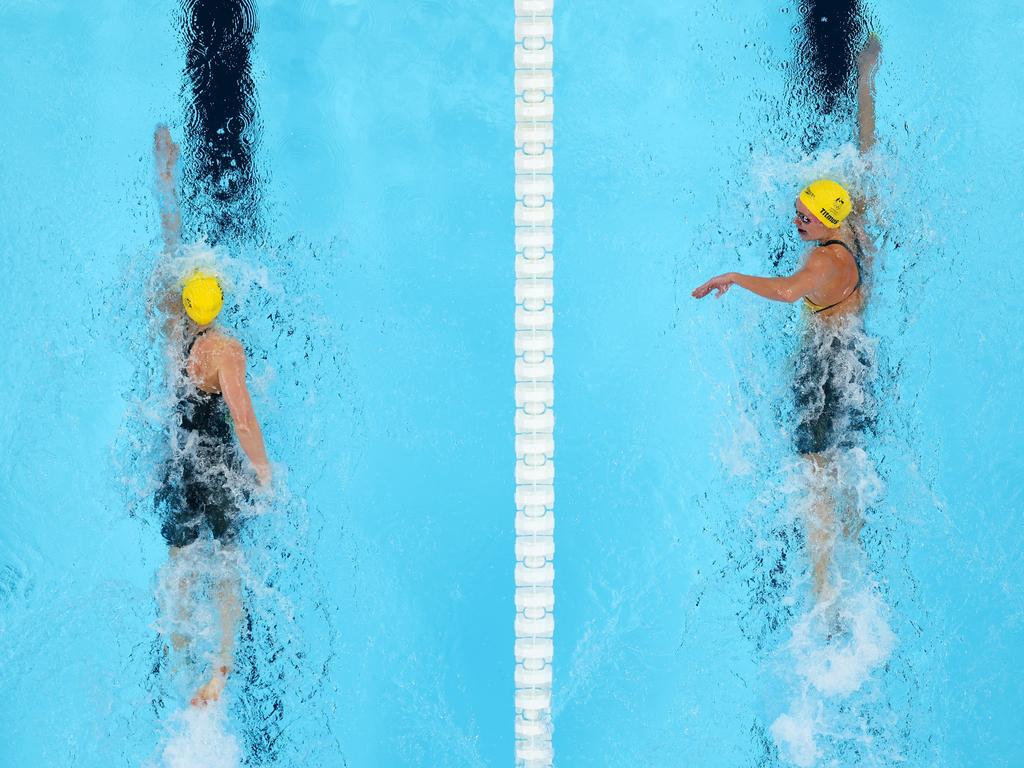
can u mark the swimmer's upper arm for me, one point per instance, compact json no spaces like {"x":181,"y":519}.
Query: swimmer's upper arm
{"x":817,"y":271}
{"x":231,"y":376}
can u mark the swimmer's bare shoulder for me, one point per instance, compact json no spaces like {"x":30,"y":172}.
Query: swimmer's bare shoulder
{"x":229,"y":354}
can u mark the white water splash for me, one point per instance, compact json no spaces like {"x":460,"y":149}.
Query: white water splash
{"x":186,"y":585}
{"x":775,"y":175}
{"x":794,"y":735}
{"x":200,"y":739}
{"x":188,"y":623}
{"x":834,"y":650}
{"x":837,"y":646}
{"x":861,"y":642}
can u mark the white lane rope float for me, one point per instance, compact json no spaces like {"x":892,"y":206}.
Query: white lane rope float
{"x":535,"y":390}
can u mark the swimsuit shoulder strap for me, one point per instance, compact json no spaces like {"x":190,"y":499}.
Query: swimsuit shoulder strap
{"x":839,"y":242}
{"x":192,"y":342}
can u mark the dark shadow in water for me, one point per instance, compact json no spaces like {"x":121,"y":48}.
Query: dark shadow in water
{"x":222,"y":127}
{"x":832,"y":32}
{"x":260,"y":707}
{"x":833,"y":29}
{"x":221,"y":203}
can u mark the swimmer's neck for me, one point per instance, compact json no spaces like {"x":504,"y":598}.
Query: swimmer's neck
{"x":842,"y":233}
{"x":194,"y":329}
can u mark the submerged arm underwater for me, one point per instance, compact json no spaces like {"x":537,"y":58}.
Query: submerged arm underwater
{"x":165,"y":156}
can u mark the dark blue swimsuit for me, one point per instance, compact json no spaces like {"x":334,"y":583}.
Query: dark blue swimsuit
{"x":831,"y":385}
{"x":203,"y":480}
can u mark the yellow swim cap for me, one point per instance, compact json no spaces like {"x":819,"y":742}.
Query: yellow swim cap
{"x":828,"y":201}
{"x":202,"y":297}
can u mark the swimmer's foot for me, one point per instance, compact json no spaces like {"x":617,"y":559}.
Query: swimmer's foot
{"x":838,"y":627}
{"x":824,"y":594}
{"x":212,"y":690}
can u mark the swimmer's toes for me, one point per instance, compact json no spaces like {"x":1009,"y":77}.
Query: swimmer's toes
{"x":209,"y":692}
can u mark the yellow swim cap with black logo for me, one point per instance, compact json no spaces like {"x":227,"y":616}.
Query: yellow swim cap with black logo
{"x":202,"y":297}
{"x":828,"y":201}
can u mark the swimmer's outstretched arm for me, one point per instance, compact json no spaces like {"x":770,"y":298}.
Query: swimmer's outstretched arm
{"x":231,"y":372}
{"x":165,"y":153}
{"x":867,"y":60}
{"x":165,"y":156}
{"x":814,"y":273}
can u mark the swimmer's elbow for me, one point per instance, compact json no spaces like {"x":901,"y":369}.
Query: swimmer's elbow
{"x":795,"y":288}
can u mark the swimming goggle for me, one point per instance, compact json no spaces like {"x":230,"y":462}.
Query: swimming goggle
{"x":803,"y":218}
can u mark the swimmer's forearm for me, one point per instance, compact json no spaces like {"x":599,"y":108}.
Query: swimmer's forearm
{"x":170,"y":220}
{"x":165,"y":153}
{"x":236,"y":395}
{"x":865,"y":112}
{"x":170,"y":214}
{"x":250,"y":437}
{"x":773,"y":288}
{"x":866,"y":63}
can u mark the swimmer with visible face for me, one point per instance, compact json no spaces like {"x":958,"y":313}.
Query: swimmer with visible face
{"x":829,"y":280}
{"x":830,"y":283}
{"x":214,"y":410}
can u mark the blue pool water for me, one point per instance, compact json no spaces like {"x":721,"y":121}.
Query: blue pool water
{"x":374,"y":293}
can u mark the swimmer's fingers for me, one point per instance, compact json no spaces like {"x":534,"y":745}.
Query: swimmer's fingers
{"x":718,"y":284}
{"x":868,"y":56}
{"x":165,"y":149}
{"x":162,"y":142}
{"x":263,"y":475}
{"x":161,"y":135}
{"x":701,"y":291}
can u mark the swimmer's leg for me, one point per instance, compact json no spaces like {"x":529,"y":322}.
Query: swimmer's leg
{"x":229,"y":608}
{"x":821,"y":521}
{"x":852,"y":519}
{"x":183,"y":604}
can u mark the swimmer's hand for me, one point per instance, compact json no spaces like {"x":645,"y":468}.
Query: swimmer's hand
{"x":263,"y":475}
{"x":165,"y":152}
{"x":868,"y":56}
{"x":722,"y":283}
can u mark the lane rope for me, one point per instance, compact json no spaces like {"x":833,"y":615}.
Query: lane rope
{"x":534,"y":387}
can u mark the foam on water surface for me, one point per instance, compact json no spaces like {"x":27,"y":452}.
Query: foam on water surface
{"x":200,"y":738}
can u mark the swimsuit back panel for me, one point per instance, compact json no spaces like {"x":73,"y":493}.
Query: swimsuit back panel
{"x":202,"y":412}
